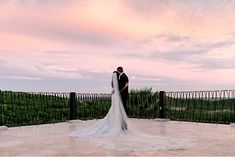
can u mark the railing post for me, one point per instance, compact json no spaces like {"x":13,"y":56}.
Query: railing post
{"x":1,"y":120}
{"x":162,"y":104}
{"x":0,"y":98}
{"x":72,"y":105}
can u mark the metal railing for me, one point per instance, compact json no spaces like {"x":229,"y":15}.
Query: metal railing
{"x":201,"y":106}
{"x":143,"y":105}
{"x":92,"y":106}
{"x":21,"y":108}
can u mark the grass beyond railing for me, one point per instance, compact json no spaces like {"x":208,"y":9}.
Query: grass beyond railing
{"x":143,"y":104}
{"x":92,"y":106}
{"x":20,"y":108}
{"x":23,"y":108}
{"x":201,"y":106}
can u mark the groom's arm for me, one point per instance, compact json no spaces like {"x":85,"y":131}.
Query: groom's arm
{"x":126,"y":85}
{"x":127,"y":81}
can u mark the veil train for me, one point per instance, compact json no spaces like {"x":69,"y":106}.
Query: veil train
{"x":116,"y":131}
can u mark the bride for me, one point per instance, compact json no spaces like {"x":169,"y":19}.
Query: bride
{"x":116,"y":131}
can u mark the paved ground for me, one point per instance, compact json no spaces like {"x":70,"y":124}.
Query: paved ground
{"x":54,"y":140}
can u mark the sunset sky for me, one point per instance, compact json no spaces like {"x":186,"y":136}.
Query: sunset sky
{"x":75,"y":45}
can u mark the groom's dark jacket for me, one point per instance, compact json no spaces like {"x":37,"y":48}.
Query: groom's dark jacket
{"x":122,"y":80}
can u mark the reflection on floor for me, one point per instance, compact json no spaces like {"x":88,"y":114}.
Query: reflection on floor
{"x":54,"y":139}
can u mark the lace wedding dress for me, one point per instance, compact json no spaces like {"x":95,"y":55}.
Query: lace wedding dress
{"x":115,"y":131}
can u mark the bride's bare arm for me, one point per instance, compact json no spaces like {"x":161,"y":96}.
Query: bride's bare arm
{"x":112,"y":87}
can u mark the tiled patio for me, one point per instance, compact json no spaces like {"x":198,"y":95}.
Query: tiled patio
{"x":54,"y":140}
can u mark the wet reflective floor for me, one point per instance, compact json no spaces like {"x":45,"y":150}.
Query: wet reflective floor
{"x":55,"y":139}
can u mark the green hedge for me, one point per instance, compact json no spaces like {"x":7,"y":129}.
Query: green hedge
{"x":20,"y":108}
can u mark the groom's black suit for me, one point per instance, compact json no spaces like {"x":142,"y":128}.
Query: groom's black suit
{"x":122,"y":81}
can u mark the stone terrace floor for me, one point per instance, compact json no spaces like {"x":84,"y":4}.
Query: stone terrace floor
{"x":54,"y":139}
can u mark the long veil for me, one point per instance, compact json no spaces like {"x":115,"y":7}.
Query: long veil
{"x":116,"y":131}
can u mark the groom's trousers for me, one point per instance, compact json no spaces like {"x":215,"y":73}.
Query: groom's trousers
{"x":124,"y":96}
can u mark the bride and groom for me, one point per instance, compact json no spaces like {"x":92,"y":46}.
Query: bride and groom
{"x":121,"y":93}
{"x":116,"y":121}
{"x":117,"y":132}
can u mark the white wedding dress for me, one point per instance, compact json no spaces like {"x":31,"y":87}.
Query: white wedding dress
{"x":116,"y":132}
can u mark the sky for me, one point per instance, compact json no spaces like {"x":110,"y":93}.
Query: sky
{"x":75,"y":45}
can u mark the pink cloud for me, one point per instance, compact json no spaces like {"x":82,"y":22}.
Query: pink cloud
{"x":159,"y":39}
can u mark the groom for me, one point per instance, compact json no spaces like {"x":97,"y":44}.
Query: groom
{"x":123,"y":87}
